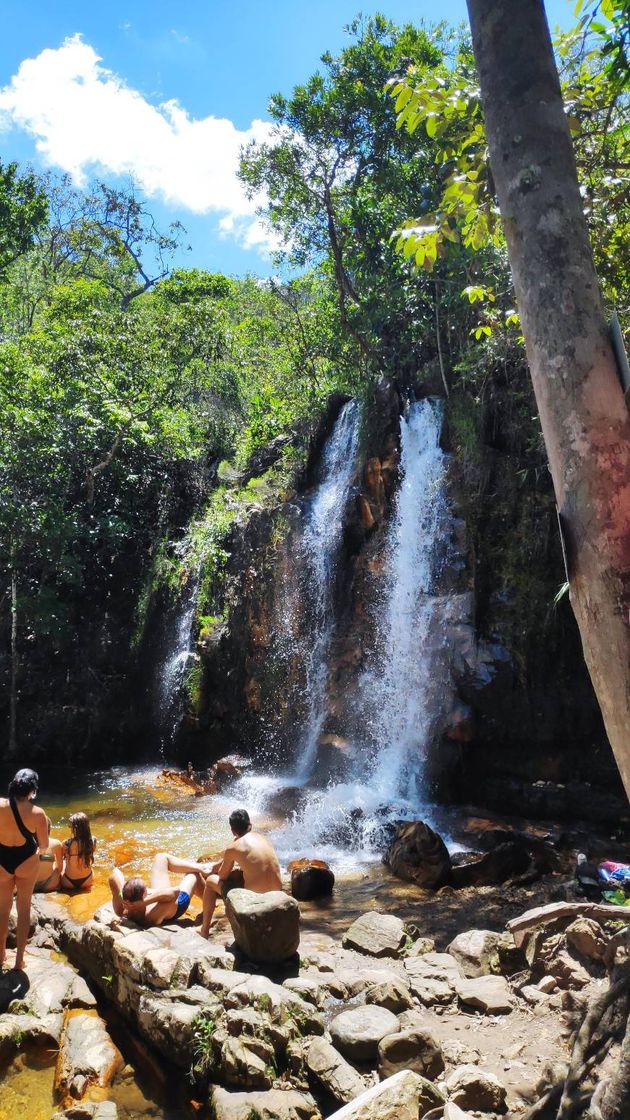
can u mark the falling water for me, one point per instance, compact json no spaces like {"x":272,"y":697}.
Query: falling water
{"x":400,"y":693}
{"x":321,"y":539}
{"x":172,"y":671}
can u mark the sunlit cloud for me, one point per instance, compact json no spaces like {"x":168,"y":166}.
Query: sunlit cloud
{"x":86,"y":120}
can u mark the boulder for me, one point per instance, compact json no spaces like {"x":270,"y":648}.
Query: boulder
{"x":432,"y":978}
{"x":357,"y":1032}
{"x":393,"y":994}
{"x":310,"y":878}
{"x":421,"y":946}
{"x":475,"y":1089}
{"x":266,"y":927}
{"x":587,"y":938}
{"x":277,"y":1001}
{"x":332,"y":1072}
{"x":491,"y":994}
{"x":476,"y":952}
{"x":19,"y":1029}
{"x":418,"y":854}
{"x":405,"y":1096}
{"x":376,"y":935}
{"x":87,"y":1057}
{"x":415,"y":1049}
{"x":511,"y":860}
{"x":568,"y":972}
{"x":247,"y":1063}
{"x":452,"y":1111}
{"x":276,"y":1104}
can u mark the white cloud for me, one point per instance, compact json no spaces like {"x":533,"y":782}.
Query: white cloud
{"x":85,"y":119}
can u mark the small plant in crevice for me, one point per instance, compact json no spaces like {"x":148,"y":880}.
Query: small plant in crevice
{"x":202,"y":1045}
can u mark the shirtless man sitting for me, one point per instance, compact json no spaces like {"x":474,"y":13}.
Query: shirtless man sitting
{"x":256,"y":858}
{"x":160,"y":903}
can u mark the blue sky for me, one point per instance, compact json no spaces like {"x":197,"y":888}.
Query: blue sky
{"x":168,"y":92}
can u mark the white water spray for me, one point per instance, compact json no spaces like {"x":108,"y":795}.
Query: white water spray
{"x":321,"y":539}
{"x":173,"y":668}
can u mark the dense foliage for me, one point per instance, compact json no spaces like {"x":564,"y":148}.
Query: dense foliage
{"x":124,"y":384}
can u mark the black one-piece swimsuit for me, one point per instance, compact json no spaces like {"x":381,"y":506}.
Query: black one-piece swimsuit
{"x":12,"y":856}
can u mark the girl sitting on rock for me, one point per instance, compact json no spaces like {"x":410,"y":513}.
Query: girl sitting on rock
{"x":78,"y":855}
{"x":50,"y":865}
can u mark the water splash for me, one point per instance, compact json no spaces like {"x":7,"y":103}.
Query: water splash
{"x":324,"y":518}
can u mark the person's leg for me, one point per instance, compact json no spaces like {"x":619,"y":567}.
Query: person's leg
{"x":116,"y":884}
{"x":25,"y":876}
{"x":159,"y":872}
{"x":7,"y":884}
{"x":186,"y":866}
{"x":212,"y":891}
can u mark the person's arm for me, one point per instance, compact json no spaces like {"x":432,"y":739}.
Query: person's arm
{"x":227,"y":863}
{"x":41,"y":829}
{"x":166,"y":894}
{"x":57,"y":852}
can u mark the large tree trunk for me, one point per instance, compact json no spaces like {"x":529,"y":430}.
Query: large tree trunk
{"x":12,"y":750}
{"x":584,"y":418}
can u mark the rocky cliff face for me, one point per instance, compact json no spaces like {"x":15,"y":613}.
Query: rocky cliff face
{"x":519,"y":723}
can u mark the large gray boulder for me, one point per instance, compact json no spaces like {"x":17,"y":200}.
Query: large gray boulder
{"x":376,"y":935}
{"x":276,"y":1104}
{"x":358,"y":1032}
{"x":415,"y":1049}
{"x":266,"y":927}
{"x":332,"y":1072}
{"x":432,"y":978}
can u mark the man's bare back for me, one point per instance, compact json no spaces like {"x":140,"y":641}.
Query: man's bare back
{"x":256,"y":858}
{"x":258,"y":862}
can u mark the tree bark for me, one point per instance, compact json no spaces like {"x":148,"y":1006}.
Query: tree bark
{"x":14,"y":663}
{"x":585,"y":422}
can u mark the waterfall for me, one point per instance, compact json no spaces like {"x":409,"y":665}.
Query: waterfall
{"x":172,"y":670}
{"x":400,"y":695}
{"x":324,"y":516}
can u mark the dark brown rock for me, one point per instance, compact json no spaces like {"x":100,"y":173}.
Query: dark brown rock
{"x":310,"y":878}
{"x":418,"y":854}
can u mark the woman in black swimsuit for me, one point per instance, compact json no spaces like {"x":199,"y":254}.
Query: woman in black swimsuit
{"x":23,"y":831}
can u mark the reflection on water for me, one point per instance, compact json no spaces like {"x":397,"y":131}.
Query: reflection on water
{"x":27,"y":1087}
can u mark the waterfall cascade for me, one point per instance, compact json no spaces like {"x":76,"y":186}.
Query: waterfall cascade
{"x":400,"y":694}
{"x":320,"y":549}
{"x":169,"y":700}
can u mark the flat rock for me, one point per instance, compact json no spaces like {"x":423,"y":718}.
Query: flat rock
{"x":414,"y":1048}
{"x":333,"y":1073}
{"x":357,"y":1032}
{"x":432,"y":978}
{"x":266,"y":927}
{"x":359,"y":980}
{"x":405,"y":1096}
{"x":476,"y":952}
{"x":474,"y":1089}
{"x":491,"y":994}
{"x":276,"y":1104}
{"x":376,"y":935}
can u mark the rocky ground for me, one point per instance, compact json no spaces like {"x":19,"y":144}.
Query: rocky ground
{"x":368,"y":1024}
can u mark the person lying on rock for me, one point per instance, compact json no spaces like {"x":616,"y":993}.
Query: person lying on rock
{"x":256,"y":858}
{"x":160,"y":903}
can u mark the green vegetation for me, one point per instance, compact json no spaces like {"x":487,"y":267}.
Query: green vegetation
{"x":136,"y":402}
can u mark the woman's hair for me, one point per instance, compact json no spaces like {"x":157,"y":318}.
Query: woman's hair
{"x":80,"y":826}
{"x":134,"y":890}
{"x":24,"y":782}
